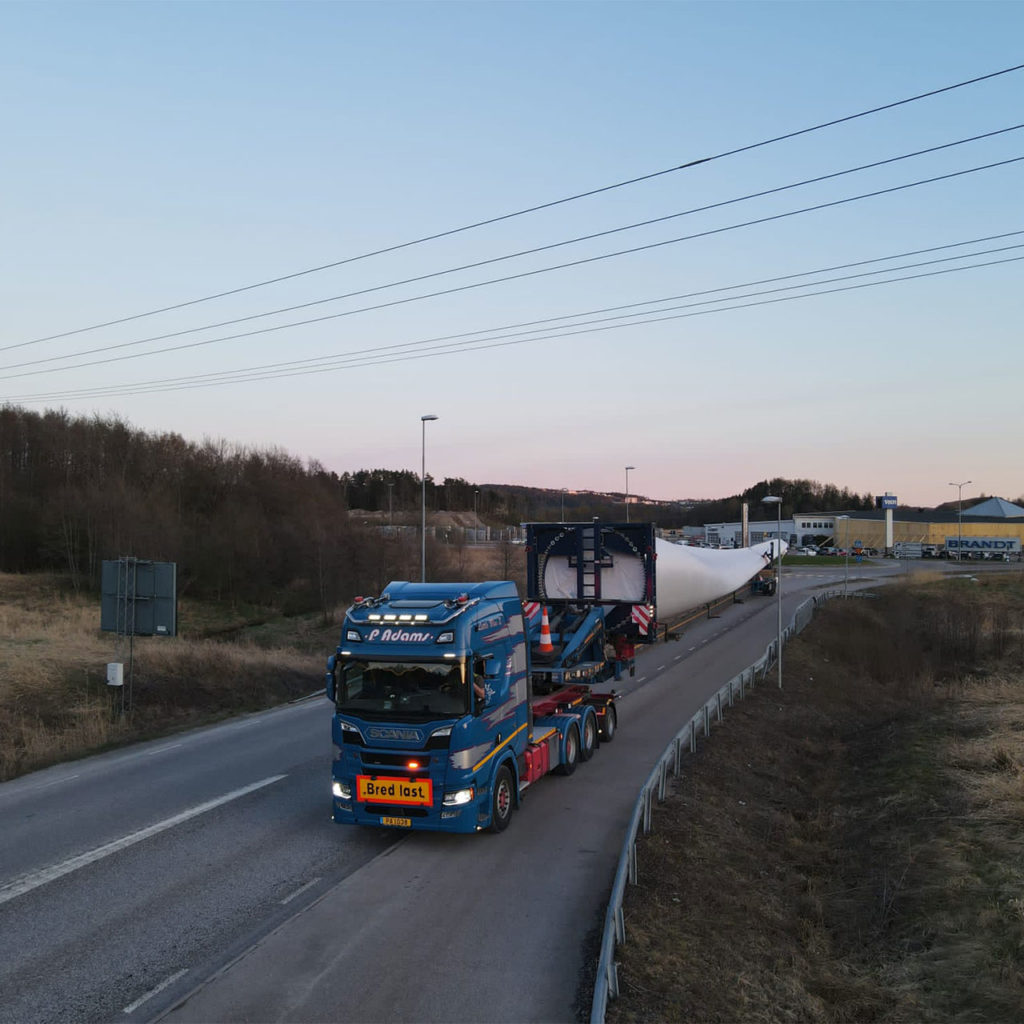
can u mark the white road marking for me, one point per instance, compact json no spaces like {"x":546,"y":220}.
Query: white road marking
{"x":660,"y":668}
{"x":55,"y":782}
{"x":153,"y":753}
{"x":301,"y":889}
{"x":677,"y":657}
{"x":693,"y":648}
{"x":31,"y":881}
{"x":153,"y":991}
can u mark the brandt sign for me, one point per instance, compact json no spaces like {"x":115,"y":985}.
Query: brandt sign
{"x":985,"y":545}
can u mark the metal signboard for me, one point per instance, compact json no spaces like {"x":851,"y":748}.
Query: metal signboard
{"x":886,"y":501}
{"x":139,"y":597}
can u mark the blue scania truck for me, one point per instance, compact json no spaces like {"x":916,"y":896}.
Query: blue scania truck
{"x":451,"y":699}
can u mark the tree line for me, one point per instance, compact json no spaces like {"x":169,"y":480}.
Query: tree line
{"x":261,"y":526}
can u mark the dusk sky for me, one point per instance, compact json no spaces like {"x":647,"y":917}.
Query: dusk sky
{"x":157,"y":154}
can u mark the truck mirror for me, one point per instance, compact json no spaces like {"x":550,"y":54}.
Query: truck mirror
{"x":331,"y":687}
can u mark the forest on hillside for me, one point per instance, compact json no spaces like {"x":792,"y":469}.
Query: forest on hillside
{"x":261,"y":526}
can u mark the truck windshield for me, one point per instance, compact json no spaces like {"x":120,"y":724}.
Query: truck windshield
{"x":401,"y":689}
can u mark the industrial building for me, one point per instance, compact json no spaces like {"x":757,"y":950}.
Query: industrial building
{"x":994,"y":524}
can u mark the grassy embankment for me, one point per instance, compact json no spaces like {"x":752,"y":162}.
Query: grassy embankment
{"x":54,"y":700}
{"x":850,"y":849}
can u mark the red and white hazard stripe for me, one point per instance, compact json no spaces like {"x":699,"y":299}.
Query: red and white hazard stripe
{"x":642,"y":615}
{"x":531,"y":608}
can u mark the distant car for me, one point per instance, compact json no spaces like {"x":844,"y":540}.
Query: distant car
{"x":805,"y":551}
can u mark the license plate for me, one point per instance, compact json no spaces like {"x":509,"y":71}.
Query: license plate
{"x":401,"y":822}
{"x":382,"y":789}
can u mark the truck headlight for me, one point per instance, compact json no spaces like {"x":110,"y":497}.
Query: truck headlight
{"x":458,"y":797}
{"x":341,"y":790}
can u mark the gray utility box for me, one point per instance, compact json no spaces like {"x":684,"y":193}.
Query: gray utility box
{"x":139,"y":597}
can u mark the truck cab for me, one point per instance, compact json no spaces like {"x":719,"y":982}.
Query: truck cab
{"x":430,"y":692}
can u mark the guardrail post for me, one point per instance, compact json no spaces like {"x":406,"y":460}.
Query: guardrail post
{"x":693,"y":738}
{"x":718,"y":706}
{"x":707,"y":721}
{"x":620,"y":926}
{"x":647,"y":811}
{"x":663,"y":781}
{"x":632,"y":864}
{"x":613,"y":987}
{"x":677,"y":754}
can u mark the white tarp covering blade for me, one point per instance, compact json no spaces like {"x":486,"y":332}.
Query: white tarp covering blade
{"x":687,"y":577}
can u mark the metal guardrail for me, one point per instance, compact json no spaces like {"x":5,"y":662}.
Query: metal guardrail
{"x":606,"y":984}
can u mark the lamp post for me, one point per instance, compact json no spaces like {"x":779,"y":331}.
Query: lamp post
{"x":959,"y":518}
{"x":628,"y":468}
{"x":562,"y":520}
{"x":846,"y":546}
{"x":423,"y":530}
{"x":391,"y":504}
{"x":771,"y":499}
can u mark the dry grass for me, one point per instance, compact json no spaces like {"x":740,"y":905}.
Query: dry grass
{"x":54,"y":701}
{"x":849,"y":849}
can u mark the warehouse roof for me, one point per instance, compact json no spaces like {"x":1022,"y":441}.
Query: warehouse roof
{"x":995,"y":508}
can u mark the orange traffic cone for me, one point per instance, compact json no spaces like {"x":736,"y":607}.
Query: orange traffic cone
{"x":546,"y":646}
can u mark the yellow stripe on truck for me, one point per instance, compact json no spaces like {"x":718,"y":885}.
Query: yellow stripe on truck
{"x":503,"y":743}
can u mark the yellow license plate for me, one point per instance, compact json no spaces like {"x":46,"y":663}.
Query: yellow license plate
{"x":382,"y":789}
{"x":402,"y":822}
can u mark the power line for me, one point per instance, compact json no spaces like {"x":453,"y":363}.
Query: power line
{"x":184,"y":332}
{"x":536,"y":326}
{"x":389,"y":354}
{"x":533,"y":209}
{"x":468,"y":287}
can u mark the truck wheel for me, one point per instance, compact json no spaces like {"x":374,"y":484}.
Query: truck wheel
{"x":572,"y":750}
{"x":502,"y":800}
{"x":610,"y":723}
{"x":588,"y":742}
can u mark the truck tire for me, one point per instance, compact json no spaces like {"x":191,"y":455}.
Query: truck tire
{"x":610,"y":724}
{"x":502,"y":799}
{"x":572,"y":750}
{"x":588,"y":739}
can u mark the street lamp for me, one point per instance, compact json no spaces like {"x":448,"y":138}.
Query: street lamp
{"x":771,"y":499}
{"x":959,"y":518}
{"x":628,"y":468}
{"x":562,"y":520}
{"x":391,"y":504}
{"x":423,"y":531}
{"x":476,"y":517}
{"x":846,"y":578}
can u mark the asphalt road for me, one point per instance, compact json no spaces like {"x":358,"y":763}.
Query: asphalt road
{"x":201,"y":876}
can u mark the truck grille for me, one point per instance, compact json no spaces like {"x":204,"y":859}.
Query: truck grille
{"x":396,"y":811}
{"x":376,"y":759}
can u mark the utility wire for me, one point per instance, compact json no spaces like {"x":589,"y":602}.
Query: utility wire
{"x":485,"y":344}
{"x":516,"y":255}
{"x":536,"y":326}
{"x":479,"y":284}
{"x":534,"y":209}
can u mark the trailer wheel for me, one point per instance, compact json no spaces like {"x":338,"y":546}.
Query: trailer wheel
{"x":572,"y":750}
{"x":588,"y":742}
{"x":502,"y":800}
{"x":610,"y":723}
